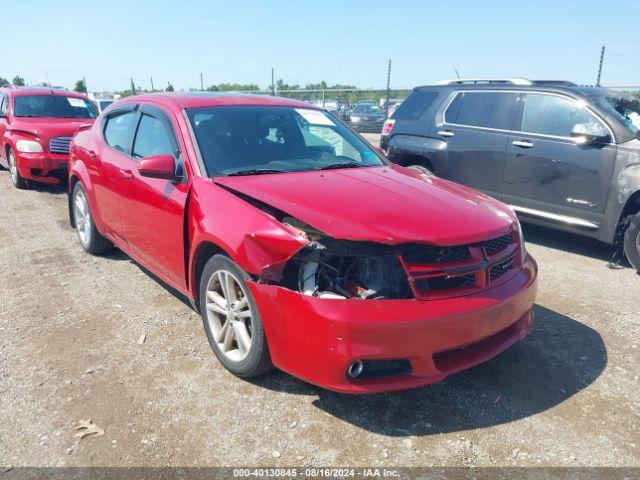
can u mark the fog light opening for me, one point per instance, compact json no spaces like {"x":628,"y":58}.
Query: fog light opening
{"x":355,"y":369}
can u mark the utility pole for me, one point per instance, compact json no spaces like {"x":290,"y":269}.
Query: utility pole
{"x":152,"y":89}
{"x":600,"y":67}
{"x":84,"y":81}
{"x":273,"y":84}
{"x":388,"y":89}
{"x":133,"y":87}
{"x":201,"y":83}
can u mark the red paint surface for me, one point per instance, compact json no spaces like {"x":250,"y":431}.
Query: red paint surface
{"x":164,"y":225}
{"x":43,"y":130}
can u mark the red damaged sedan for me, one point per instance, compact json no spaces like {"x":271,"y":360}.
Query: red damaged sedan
{"x":36,"y":126}
{"x":299,"y":244}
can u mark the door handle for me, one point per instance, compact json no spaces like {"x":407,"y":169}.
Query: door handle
{"x":126,"y":174}
{"x":523,"y":144}
{"x":446,"y":133}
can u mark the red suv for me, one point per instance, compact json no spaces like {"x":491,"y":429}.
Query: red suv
{"x":36,"y":126}
{"x":299,"y":244}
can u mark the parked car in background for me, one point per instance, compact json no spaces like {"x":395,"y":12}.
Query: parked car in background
{"x":560,"y":155}
{"x":36,"y":126}
{"x":367,"y":118}
{"x":300,"y":246}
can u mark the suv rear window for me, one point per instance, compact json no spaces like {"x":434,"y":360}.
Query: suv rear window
{"x":482,"y":109}
{"x":414,"y":106}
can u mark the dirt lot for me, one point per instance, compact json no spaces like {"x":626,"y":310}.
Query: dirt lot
{"x":69,"y":350}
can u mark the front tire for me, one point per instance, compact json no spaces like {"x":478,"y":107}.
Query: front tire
{"x":231,"y":319}
{"x":16,"y":178}
{"x":90,"y":238}
{"x":632,"y":242}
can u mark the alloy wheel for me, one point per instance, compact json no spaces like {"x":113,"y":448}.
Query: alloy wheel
{"x":82,"y":216}
{"x":229,"y":315}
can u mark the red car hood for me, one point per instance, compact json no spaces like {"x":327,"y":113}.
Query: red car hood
{"x":383,"y":204}
{"x":47,"y":128}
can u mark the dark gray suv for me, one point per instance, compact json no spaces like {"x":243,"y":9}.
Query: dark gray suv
{"x":560,"y":155}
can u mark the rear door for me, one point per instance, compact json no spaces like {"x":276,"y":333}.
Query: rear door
{"x":113,"y":158}
{"x":549,"y":173}
{"x":475,"y":124}
{"x":153,"y":211}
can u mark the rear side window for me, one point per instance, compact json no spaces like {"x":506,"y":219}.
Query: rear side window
{"x":117,"y":131}
{"x":151,"y":138}
{"x":414,"y":106}
{"x":483,"y":109}
{"x":553,"y":115}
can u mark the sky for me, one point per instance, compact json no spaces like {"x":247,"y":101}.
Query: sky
{"x":346,"y":42}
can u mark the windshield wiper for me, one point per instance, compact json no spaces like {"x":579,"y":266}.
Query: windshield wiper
{"x":255,"y":171}
{"x":341,"y":165}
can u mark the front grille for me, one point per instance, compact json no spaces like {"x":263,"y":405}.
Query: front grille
{"x":439,"y":272}
{"x":500,"y":269}
{"x":497,"y":244}
{"x":428,"y":254}
{"x":60,"y":145}
{"x":445,"y":282}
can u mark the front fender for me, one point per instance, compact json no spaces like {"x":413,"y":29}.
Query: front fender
{"x":253,"y":239}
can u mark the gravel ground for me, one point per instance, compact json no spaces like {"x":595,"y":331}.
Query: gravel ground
{"x":71,"y":348}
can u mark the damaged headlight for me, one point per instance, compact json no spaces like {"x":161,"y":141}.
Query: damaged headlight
{"x":345,"y":269}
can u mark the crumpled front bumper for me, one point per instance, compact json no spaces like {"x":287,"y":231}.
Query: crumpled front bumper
{"x":316,"y":339}
{"x":41,"y":166}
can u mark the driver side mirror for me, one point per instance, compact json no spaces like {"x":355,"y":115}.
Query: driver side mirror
{"x":590,"y":132}
{"x":159,"y":166}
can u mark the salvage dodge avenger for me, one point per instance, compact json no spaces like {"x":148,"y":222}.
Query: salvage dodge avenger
{"x":299,"y":244}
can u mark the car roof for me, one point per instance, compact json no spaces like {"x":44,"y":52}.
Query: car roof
{"x":541,"y":85}
{"x":22,"y":91}
{"x":203,"y":100}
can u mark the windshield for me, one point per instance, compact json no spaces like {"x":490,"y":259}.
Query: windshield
{"x":256,"y":140}
{"x":367,"y":109}
{"x":625,"y":108}
{"x":52,"y":106}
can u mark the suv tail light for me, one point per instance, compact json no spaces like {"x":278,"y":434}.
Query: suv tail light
{"x":388,"y":125}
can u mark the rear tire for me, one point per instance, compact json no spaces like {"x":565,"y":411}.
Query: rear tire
{"x":90,"y":238}
{"x":632,"y":242}
{"x":16,"y":178}
{"x":231,"y":319}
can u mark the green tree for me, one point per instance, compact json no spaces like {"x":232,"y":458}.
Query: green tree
{"x":4,"y":82}
{"x":18,"y":81}
{"x":169,"y":88}
{"x":80,"y":87}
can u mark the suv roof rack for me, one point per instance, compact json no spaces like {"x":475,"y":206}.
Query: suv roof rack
{"x":564,"y":83}
{"x":475,"y":81}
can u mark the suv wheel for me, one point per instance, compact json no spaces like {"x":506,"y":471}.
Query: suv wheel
{"x":16,"y":178}
{"x":232,"y":320}
{"x":421,"y":169}
{"x":632,"y":242}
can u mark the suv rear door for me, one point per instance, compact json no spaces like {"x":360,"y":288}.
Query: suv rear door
{"x":475,"y":124}
{"x":548,"y":173}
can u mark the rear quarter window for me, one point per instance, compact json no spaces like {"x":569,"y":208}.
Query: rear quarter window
{"x":414,"y":106}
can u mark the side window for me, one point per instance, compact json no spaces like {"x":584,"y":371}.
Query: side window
{"x":553,"y":115}
{"x":486,"y":109}
{"x":451,"y":115}
{"x":4,"y":104}
{"x":117,"y":131}
{"x":414,"y":106}
{"x":151,"y":138}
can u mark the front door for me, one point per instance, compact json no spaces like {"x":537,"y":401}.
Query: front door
{"x":153,"y":214}
{"x":476,"y":128}
{"x":550,"y":173}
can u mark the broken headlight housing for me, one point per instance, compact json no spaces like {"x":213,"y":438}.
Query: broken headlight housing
{"x":342,"y":269}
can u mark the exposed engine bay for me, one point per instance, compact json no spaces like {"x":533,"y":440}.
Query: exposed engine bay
{"x":330,"y":268}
